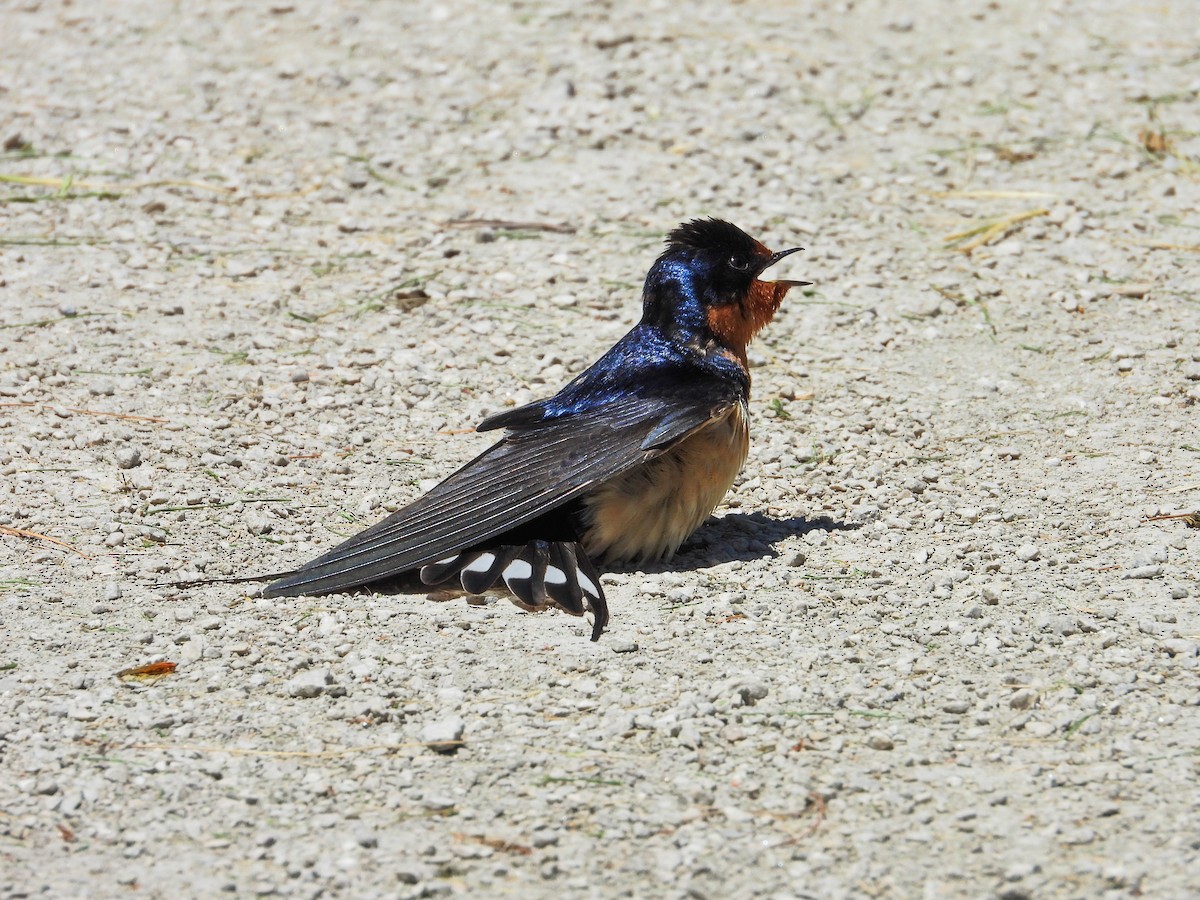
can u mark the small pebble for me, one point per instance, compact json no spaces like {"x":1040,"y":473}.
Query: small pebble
{"x":367,"y":839}
{"x":128,"y":457}
{"x":1078,"y":836}
{"x":543,"y":838}
{"x":412,"y":873}
{"x":1022,"y":699}
{"x":1142,"y":572}
{"x":1180,"y":647}
{"x":309,"y":683}
{"x":444,"y":736}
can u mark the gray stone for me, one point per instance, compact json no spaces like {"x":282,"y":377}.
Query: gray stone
{"x":1065,"y":625}
{"x":747,"y":691}
{"x":309,"y":683}
{"x":1142,"y":572}
{"x":445,"y":735}
{"x":128,"y":457}
{"x":1180,"y":647}
{"x":689,"y":735}
{"x":1022,"y":699}
{"x":412,"y":872}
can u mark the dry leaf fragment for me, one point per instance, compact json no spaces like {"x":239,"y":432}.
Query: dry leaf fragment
{"x":1156,"y":142}
{"x":1008,"y":155}
{"x":149,"y":672}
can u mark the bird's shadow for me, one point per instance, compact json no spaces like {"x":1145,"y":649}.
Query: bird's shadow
{"x":734,"y":537}
{"x":740,"y":537}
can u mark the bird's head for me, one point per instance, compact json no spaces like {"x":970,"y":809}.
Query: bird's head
{"x":707,"y":282}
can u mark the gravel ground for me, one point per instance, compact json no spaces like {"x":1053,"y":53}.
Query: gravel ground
{"x":928,"y":647}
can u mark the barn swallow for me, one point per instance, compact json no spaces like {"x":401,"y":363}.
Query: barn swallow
{"x":621,"y":465}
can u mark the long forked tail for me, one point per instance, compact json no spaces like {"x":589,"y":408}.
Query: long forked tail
{"x":539,"y":573}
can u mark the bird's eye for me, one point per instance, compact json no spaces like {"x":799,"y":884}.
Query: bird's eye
{"x":739,"y":262}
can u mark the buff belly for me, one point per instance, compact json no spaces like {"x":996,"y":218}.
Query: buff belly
{"x":646,"y":514}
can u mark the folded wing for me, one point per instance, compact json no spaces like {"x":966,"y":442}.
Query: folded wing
{"x":536,"y":467}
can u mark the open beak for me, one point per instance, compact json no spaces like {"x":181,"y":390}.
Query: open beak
{"x":776,"y":257}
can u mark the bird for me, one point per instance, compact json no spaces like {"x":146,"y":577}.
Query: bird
{"x":622,"y":465}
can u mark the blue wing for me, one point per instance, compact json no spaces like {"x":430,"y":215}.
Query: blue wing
{"x":599,"y":426}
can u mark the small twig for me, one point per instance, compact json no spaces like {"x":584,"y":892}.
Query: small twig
{"x":608,"y":782}
{"x":40,"y":323}
{"x":1191,"y":520}
{"x":1165,"y":245}
{"x":1183,"y":488}
{"x":88,"y":412}
{"x":68,"y":182}
{"x":989,"y":231}
{"x":557,"y":227}
{"x":21,"y":532}
{"x":988,"y":435}
{"x":994,"y":195}
{"x":1077,"y":724}
{"x":818,"y":803}
{"x":965,"y":301}
{"x":16,"y":584}
{"x":301,"y":754}
{"x":825,"y":713}
{"x":226,"y":505}
{"x":37,"y":242}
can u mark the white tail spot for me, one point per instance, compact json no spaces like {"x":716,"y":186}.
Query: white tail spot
{"x":589,"y":586}
{"x":481,"y":563}
{"x":518,"y":569}
{"x":555,"y":575}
